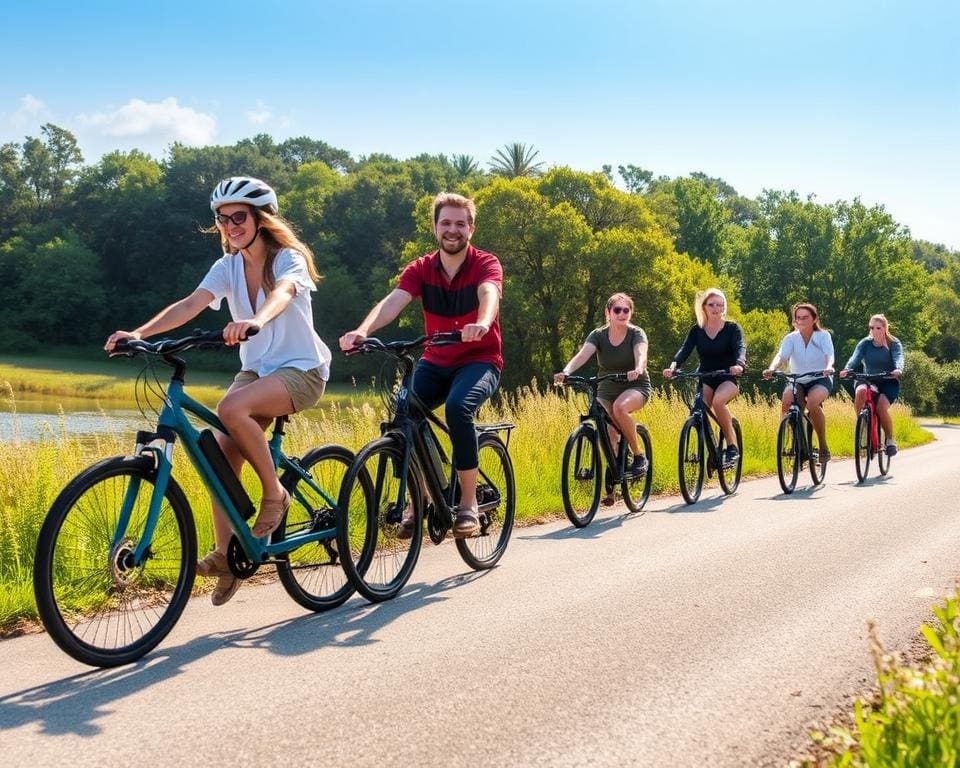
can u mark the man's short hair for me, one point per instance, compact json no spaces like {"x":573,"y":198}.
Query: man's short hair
{"x":456,"y":201}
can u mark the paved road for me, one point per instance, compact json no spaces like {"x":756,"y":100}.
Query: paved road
{"x":711,"y":635}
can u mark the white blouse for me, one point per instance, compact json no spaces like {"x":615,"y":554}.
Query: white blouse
{"x":815,"y":356}
{"x":287,"y":341}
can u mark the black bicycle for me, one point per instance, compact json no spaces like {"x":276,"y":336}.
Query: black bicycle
{"x":581,"y":478}
{"x":701,"y":449}
{"x":797,"y":440}
{"x":379,"y":554}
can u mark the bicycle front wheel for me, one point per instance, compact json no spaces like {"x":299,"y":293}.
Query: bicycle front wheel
{"x":691,"y":460}
{"x":861,"y":445}
{"x":818,"y":468}
{"x":311,"y":573}
{"x":96,"y":603}
{"x":580,"y":481}
{"x":730,"y":476}
{"x":377,"y":549}
{"x":788,"y":453}
{"x":636,"y":488}
{"x":497,"y":498}
{"x":883,"y":460}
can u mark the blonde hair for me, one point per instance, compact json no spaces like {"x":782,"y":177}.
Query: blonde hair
{"x":887,"y":338}
{"x":277,"y":234}
{"x":701,"y":299}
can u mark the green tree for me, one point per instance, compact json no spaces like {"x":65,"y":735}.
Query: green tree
{"x":515,"y":161}
{"x":637,"y":180}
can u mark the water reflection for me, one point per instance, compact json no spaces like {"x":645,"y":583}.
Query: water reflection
{"x":36,"y":416}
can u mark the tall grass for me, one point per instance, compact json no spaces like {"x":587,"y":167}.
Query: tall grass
{"x":33,"y":473}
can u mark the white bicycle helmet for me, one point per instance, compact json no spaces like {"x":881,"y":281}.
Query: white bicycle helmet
{"x":244,"y":189}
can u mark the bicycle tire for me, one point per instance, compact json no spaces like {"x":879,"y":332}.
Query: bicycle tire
{"x":636,"y":490}
{"x":374,"y":556}
{"x":691,"y":460}
{"x":818,"y":469}
{"x":496,"y":493}
{"x":94,"y":604}
{"x":883,"y":460}
{"x":311,"y":573}
{"x":788,"y":453}
{"x":730,"y":476}
{"x":861,"y":445}
{"x":581,"y":476}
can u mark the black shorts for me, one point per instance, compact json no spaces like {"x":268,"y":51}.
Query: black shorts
{"x":715,"y":381}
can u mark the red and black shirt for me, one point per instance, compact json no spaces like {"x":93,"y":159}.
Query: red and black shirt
{"x":450,"y":305}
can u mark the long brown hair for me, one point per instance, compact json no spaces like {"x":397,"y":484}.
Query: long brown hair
{"x":277,"y":234}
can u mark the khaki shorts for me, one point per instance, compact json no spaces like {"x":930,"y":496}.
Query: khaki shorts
{"x":304,"y":387}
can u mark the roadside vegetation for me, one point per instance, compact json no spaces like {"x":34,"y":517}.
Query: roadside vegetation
{"x":913,"y":718}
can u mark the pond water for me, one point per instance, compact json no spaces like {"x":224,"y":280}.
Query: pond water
{"x":33,"y":416}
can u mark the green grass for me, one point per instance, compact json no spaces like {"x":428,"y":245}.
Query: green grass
{"x":914,"y":718}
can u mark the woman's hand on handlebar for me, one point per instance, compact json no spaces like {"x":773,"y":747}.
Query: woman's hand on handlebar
{"x":234,"y":333}
{"x":668,"y":373}
{"x":559,"y":377}
{"x":119,"y":336}
{"x":736,"y":370}
{"x":767,"y":373}
{"x":351,"y":340}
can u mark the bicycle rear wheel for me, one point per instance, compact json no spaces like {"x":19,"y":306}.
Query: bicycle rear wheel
{"x":497,"y":498}
{"x":581,"y":475}
{"x":818,"y":468}
{"x":636,"y":489}
{"x":861,"y":445}
{"x":691,"y":460}
{"x":311,"y":573}
{"x":883,"y":460}
{"x":97,"y":604}
{"x":788,"y":452}
{"x":730,"y":476}
{"x":376,"y":550}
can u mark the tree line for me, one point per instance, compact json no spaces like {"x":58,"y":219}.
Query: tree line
{"x":89,"y":248}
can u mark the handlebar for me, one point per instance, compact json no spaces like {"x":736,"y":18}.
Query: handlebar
{"x":797,"y":376}
{"x":399,"y":348}
{"x":870,"y":377}
{"x":198,"y":340}
{"x":591,"y":382}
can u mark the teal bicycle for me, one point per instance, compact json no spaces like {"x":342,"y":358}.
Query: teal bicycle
{"x":116,"y":556}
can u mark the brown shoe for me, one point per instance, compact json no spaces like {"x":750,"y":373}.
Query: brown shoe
{"x":467,"y":524}
{"x":271,"y":513}
{"x":214,"y":564}
{"x":226,"y":588}
{"x":609,"y":500}
{"x":405,"y":529}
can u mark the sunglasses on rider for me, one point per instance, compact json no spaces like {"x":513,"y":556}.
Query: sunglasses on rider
{"x":620,"y":310}
{"x":236,"y":218}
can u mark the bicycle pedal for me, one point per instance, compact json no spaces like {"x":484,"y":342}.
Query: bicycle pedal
{"x":584,"y":474}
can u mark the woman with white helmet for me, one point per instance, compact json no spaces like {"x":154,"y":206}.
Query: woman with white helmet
{"x":266,"y":274}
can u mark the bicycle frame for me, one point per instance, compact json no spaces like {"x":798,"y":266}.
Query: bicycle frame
{"x":870,"y":405}
{"x":801,"y":413}
{"x":704,"y":415}
{"x":597,"y":414}
{"x":172,"y":424}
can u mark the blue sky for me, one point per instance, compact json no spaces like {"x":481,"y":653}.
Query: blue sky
{"x":838,"y":99}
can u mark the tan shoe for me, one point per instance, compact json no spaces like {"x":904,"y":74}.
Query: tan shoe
{"x":226,"y":588}
{"x":467,"y":524}
{"x":214,"y":564}
{"x":271,"y":513}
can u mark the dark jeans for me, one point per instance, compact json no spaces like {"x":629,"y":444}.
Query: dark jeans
{"x":464,"y":389}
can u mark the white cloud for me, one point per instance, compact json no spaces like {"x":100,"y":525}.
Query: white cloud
{"x":161,"y":120}
{"x":261,"y":115}
{"x":32,"y":111}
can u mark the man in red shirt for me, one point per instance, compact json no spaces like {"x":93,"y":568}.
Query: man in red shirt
{"x":459,"y":287}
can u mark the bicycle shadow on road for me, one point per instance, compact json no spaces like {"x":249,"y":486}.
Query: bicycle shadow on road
{"x":800,"y":494}
{"x":598,"y":527}
{"x":703,"y":506}
{"x":73,"y":705}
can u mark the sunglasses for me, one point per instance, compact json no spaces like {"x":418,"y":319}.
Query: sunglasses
{"x":620,"y":310}
{"x":236,"y":218}
{"x":875,"y":327}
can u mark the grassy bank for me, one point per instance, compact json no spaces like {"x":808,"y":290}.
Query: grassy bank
{"x":32,"y":474}
{"x":913,"y":719}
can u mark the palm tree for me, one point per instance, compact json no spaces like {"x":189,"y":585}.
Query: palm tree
{"x":464,"y":165}
{"x":515,"y":160}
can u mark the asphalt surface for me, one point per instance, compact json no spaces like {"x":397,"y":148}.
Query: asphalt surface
{"x":710,"y":635}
